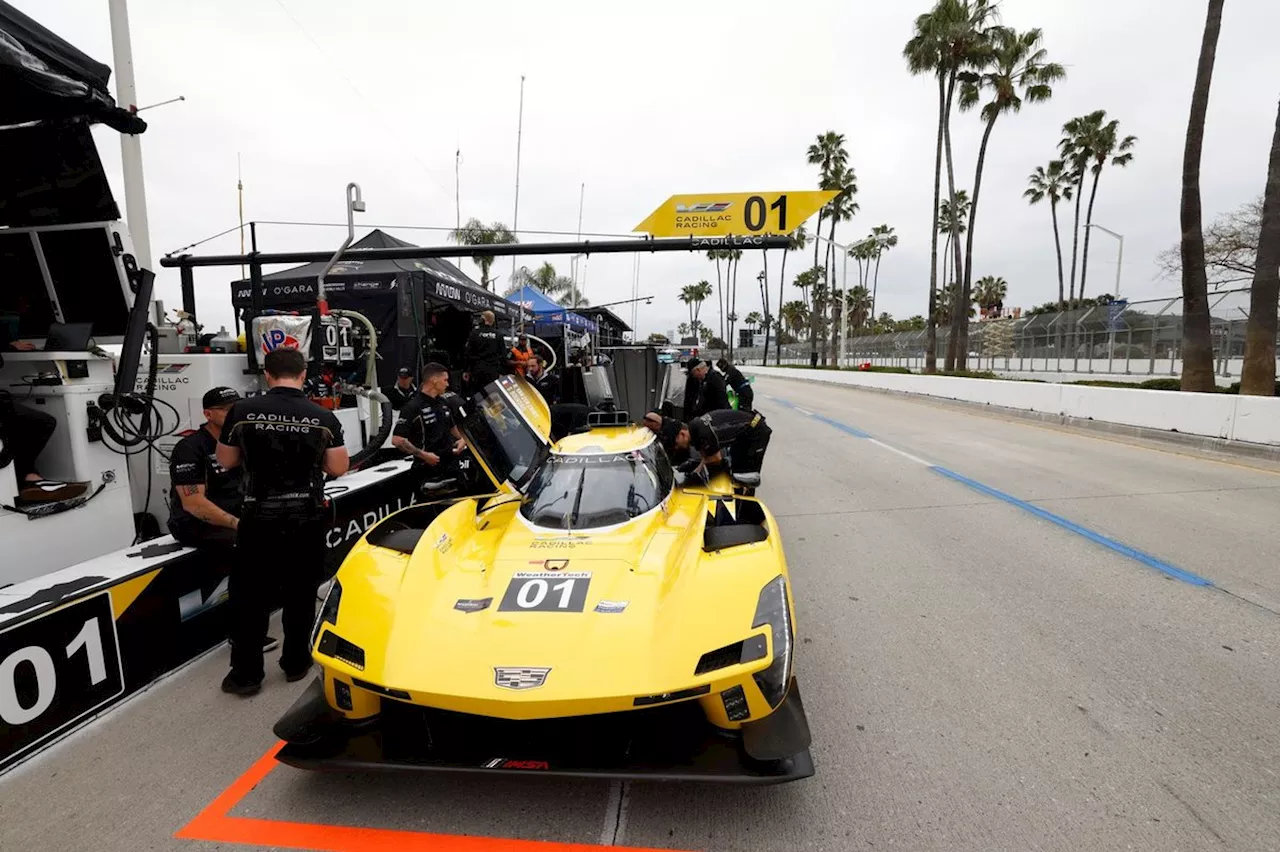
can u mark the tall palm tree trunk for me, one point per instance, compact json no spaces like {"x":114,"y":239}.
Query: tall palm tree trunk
{"x":961,"y":320}
{"x":719,"y":297}
{"x":1197,"y":339}
{"x":931,"y":320}
{"x":1088,"y":231}
{"x":1057,"y":246}
{"x":814,"y":316}
{"x":875,"y":284}
{"x":733,"y":305}
{"x":831,"y":302}
{"x":782,"y":281}
{"x":952,"y":342}
{"x":1075,"y":242}
{"x":1259,"y":375}
{"x":764,"y":300}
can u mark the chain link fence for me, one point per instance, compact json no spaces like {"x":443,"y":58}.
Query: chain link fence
{"x":1142,"y":339}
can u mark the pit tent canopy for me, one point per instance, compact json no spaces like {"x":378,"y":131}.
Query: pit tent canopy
{"x":373,"y":288}
{"x":50,"y":173}
{"x":547,"y":314}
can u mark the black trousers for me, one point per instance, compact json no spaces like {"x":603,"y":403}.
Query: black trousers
{"x":280,"y":556}
{"x":25,"y":431}
{"x":746,"y":453}
{"x":746,"y":398}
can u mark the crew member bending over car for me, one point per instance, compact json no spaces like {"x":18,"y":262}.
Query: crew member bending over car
{"x":286,"y":444}
{"x":712,"y":393}
{"x":744,"y":433}
{"x":733,"y":376}
{"x":427,"y":430}
{"x":204,"y":502}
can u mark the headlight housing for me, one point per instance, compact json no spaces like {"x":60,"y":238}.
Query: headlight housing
{"x":773,"y":612}
{"x":328,"y":611}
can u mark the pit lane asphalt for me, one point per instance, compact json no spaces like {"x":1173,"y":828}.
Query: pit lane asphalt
{"x":978,"y":677}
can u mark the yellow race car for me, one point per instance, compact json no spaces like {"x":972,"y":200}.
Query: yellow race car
{"x":590,"y":617}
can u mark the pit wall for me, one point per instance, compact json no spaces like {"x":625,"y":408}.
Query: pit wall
{"x":1229,"y":417}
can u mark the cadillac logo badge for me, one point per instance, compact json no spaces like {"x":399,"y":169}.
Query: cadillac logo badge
{"x":526,"y":678}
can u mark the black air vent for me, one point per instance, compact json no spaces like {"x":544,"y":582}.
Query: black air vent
{"x":333,"y":645}
{"x":721,"y":658}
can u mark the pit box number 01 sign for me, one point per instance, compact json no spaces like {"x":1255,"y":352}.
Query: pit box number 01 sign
{"x":55,"y":670}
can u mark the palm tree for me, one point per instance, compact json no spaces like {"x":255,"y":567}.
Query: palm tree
{"x":829,"y":154}
{"x":799,"y":238}
{"x":1197,"y":339}
{"x":693,"y":295}
{"x":886,"y":240}
{"x":753,"y":321}
{"x":477,"y":233}
{"x":717,"y":255}
{"x":795,"y":315}
{"x":734,"y":257}
{"x":684,"y":329}
{"x":858,"y":304}
{"x":545,"y":278}
{"x":953,"y":224}
{"x":989,"y":292}
{"x":1088,"y":143}
{"x":1018,"y":72}
{"x":942,"y":44}
{"x":1259,"y":375}
{"x":842,"y":208}
{"x":1054,"y":183}
{"x":572,"y":300}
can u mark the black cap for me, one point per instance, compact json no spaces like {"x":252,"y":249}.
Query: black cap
{"x":218,"y":397}
{"x":670,"y":428}
{"x":404,"y":371}
{"x":694,"y":363}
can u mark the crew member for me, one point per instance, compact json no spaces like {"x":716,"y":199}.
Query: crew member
{"x":402,"y":391}
{"x":204,"y":501}
{"x":426,"y":429}
{"x":286,"y":444}
{"x":486,"y":353}
{"x":734,"y":378}
{"x":744,"y":433}
{"x":522,"y":356}
{"x":24,"y":432}
{"x":713,"y":393}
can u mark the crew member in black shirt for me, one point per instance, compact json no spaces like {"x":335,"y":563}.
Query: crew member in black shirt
{"x":204,"y":502}
{"x":426,"y":429}
{"x":713,"y":394}
{"x":402,"y":391}
{"x":285,"y":445}
{"x":487,"y":354}
{"x":734,"y":378}
{"x":744,"y":433}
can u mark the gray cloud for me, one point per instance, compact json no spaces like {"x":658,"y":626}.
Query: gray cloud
{"x":640,"y":102}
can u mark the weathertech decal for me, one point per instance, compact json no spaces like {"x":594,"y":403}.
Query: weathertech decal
{"x":504,"y":763}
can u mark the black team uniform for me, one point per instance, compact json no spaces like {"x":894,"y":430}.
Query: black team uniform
{"x":486,"y":356}
{"x":282,"y":437}
{"x":713,"y":395}
{"x":746,"y":396}
{"x":743,"y":433}
{"x":194,"y":461}
{"x":399,"y":396}
{"x":427,"y":422}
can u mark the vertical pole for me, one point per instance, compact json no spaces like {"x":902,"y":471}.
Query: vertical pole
{"x":1119,"y":264}
{"x":188,"y":290}
{"x":515,"y":216}
{"x":135,"y":199}
{"x":457,"y":193}
{"x":1128,"y":350}
{"x":240,"y":202}
{"x":841,"y":359}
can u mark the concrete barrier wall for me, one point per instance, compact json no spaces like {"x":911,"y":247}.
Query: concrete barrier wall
{"x":1240,"y":418}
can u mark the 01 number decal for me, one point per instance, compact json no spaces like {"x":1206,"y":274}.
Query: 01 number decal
{"x":546,"y":591}
{"x":54,"y":670}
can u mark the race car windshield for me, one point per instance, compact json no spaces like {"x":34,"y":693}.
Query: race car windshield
{"x":586,"y":491}
{"x":508,"y":446}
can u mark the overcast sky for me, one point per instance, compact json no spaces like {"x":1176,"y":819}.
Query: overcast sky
{"x":640,"y":101}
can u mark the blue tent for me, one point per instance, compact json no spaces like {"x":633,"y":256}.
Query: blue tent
{"x":547,"y":312}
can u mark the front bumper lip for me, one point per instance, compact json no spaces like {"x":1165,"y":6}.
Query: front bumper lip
{"x":678,"y":745}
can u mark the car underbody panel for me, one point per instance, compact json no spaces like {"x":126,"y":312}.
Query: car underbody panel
{"x":673,"y":743}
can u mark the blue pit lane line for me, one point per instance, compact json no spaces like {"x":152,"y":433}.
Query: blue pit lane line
{"x":1044,"y":514}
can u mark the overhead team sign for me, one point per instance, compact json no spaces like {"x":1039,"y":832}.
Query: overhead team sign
{"x":755,"y":214}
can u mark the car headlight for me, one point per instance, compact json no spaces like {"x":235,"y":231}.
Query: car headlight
{"x":772,"y":612}
{"x":329,"y":611}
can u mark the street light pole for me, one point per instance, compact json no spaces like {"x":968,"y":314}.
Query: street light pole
{"x":1119,"y":257}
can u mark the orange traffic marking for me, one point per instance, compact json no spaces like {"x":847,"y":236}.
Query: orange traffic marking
{"x":214,"y":823}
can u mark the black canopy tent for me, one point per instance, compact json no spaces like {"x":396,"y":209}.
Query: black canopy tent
{"x":50,"y":173}
{"x":375,"y":288}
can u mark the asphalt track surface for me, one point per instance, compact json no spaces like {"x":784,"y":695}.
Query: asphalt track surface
{"x":1014,"y":638}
